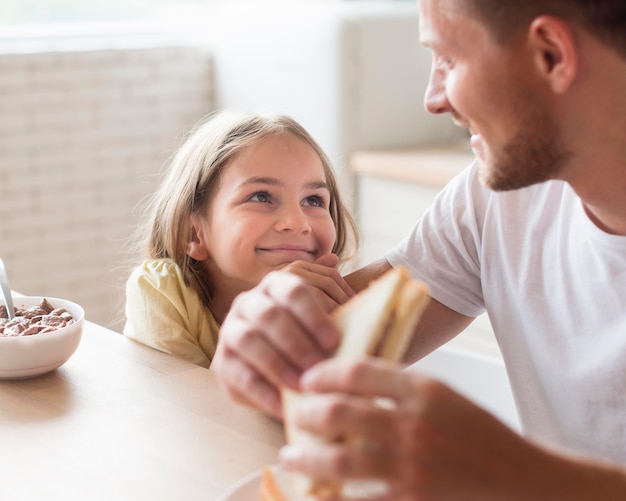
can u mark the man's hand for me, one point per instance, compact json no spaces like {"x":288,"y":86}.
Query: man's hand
{"x":277,"y":330}
{"x":426,"y":441}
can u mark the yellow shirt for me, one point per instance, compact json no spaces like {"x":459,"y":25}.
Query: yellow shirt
{"x":164,"y":313}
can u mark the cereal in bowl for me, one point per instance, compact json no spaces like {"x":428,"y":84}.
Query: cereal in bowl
{"x":34,"y":320}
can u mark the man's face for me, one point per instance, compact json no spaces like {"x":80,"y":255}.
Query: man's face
{"x":491,"y":89}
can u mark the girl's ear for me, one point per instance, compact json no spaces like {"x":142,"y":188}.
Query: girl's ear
{"x":196,"y":247}
{"x":556,"y":56}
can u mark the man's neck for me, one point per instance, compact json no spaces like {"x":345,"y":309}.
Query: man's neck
{"x":599,"y":179}
{"x":594,"y":121}
{"x":607,"y":223}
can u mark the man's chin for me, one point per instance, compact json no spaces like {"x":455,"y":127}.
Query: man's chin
{"x":488,"y":179}
{"x":487,"y":175}
{"x":497,"y":178}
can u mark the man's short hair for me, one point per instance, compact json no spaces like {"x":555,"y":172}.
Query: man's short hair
{"x":603,"y":19}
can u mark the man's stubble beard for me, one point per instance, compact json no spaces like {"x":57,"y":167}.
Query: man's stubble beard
{"x":534,"y":155}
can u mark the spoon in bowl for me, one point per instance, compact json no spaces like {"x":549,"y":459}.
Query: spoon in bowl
{"x":6,"y":290}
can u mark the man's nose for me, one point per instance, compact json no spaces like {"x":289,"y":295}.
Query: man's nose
{"x":435,"y":98}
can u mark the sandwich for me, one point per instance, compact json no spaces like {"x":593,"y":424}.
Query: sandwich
{"x":378,"y":322}
{"x":277,"y":485}
{"x":271,"y":488}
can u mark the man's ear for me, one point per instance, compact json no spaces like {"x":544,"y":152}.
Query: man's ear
{"x":196,"y":247}
{"x":556,"y":55}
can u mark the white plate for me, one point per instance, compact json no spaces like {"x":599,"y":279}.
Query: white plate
{"x":246,"y":489}
{"x":249,"y":487}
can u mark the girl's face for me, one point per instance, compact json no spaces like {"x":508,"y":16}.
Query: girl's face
{"x":271,"y":208}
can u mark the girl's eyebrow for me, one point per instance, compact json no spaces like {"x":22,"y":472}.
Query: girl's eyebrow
{"x":261,"y":180}
{"x":276,"y":182}
{"x":318,"y":185}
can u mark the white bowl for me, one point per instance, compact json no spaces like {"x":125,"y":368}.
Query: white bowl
{"x":27,"y":356}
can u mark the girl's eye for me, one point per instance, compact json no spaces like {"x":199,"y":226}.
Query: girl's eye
{"x":315,"y":201}
{"x":261,"y":196}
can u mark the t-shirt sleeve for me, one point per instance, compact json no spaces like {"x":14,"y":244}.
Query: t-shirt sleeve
{"x":444,"y":248}
{"x":158,"y":312}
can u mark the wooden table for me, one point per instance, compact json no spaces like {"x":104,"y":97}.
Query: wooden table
{"x":120,"y":421}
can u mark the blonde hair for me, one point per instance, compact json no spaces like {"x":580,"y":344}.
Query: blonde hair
{"x":195,"y":172}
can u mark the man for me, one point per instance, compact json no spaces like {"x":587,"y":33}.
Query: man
{"x":534,"y":233}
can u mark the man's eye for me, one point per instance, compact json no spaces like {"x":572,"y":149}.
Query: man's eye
{"x":315,"y":201}
{"x":260,"y":196}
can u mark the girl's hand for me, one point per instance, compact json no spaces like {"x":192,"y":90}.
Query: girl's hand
{"x":273,"y":333}
{"x":324,"y":275}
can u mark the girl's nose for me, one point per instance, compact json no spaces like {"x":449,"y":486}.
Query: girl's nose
{"x":292,"y":219}
{"x":435,"y":98}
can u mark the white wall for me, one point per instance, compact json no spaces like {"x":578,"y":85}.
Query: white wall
{"x":83,"y":137}
{"x":482,"y":379}
{"x":353,"y":73}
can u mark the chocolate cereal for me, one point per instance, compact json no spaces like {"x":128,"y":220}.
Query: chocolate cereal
{"x":34,"y":320}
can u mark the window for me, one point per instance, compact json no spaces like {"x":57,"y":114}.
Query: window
{"x":29,"y":12}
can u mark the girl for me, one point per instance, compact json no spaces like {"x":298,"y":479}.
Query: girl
{"x":245,"y":195}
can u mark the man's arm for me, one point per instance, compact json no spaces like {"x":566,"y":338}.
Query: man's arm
{"x":361,"y":278}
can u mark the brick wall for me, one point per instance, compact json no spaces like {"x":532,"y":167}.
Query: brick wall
{"x":83,"y":138}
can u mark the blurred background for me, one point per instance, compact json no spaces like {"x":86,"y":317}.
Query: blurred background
{"x":29,"y":12}
{"x":96,"y":95}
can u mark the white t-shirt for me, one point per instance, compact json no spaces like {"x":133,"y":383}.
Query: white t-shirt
{"x":554,"y":286}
